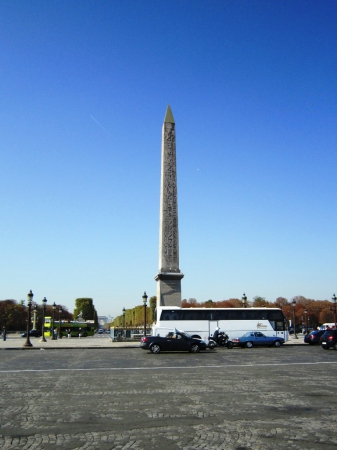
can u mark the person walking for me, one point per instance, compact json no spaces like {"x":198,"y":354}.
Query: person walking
{"x":69,"y":333}
{"x":4,"y":335}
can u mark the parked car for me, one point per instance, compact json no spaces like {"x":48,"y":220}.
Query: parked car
{"x":329,"y":339}
{"x":313,"y":337}
{"x":254,"y":338}
{"x":100,"y":331}
{"x":32,"y":333}
{"x":173,"y":341}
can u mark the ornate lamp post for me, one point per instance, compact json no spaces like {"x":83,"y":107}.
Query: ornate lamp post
{"x":52,"y":330}
{"x":306,"y":321}
{"x":44,"y":301}
{"x":294,"y":318}
{"x":60,"y":312}
{"x":30,"y":296}
{"x":145,"y":305}
{"x":334,"y":313}
{"x":124,"y":321}
{"x":244,"y":300}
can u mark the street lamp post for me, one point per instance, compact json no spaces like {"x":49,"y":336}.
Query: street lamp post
{"x":244,"y":300}
{"x":334,"y":313}
{"x":294,"y":318}
{"x":145,"y":305}
{"x":306,"y":321}
{"x":52,"y":330}
{"x":60,"y":312}
{"x":44,"y":301}
{"x":30,"y":296}
{"x":124,"y":321}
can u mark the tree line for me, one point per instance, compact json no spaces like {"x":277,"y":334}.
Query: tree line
{"x":14,"y":314}
{"x":134,"y":317}
{"x":307,"y":311}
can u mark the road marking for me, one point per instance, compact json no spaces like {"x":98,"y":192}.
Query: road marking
{"x":169,"y":367}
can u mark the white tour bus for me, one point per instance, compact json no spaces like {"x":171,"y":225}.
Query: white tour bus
{"x":202,"y":322}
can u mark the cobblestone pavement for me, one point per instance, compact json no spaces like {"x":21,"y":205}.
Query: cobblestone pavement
{"x":240,"y":399}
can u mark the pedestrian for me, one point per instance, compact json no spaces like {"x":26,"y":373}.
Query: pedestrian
{"x":80,"y":333}
{"x":4,"y":335}
{"x":69,"y":333}
{"x":55,"y":333}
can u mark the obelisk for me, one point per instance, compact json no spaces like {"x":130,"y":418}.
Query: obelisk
{"x":169,"y":276}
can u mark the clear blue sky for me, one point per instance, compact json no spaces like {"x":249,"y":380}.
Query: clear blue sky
{"x":84,"y":90}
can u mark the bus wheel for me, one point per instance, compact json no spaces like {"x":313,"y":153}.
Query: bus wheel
{"x":85,"y":335}
{"x":155,"y":348}
{"x":249,"y":344}
{"x":194,"y":348}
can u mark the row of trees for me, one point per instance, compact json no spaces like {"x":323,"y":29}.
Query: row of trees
{"x":14,"y":314}
{"x":315,"y":312}
{"x":307,"y":311}
{"x":134,"y":317}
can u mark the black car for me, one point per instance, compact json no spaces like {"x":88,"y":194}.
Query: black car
{"x":177,"y":341}
{"x":32,"y":333}
{"x":313,"y":337}
{"x":329,"y":339}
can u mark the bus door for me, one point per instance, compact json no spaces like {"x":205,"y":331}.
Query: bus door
{"x":279,"y":327}
{"x":212,"y":325}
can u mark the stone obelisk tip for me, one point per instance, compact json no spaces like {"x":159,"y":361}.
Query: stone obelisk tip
{"x":169,"y":116}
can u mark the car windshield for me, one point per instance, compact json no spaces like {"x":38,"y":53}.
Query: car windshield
{"x":183,"y":334}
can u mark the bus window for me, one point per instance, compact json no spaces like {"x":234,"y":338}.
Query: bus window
{"x":275,"y":315}
{"x":253,"y":315}
{"x":277,"y":325}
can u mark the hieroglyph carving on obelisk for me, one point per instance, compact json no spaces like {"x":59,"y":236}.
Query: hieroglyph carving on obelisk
{"x":169,"y":276}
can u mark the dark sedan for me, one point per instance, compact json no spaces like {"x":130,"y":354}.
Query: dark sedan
{"x":32,"y":333}
{"x":178,"y":341}
{"x":253,"y":338}
{"x":329,"y":339}
{"x":313,"y":337}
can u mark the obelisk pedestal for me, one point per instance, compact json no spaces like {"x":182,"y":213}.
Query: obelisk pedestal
{"x":169,"y":275}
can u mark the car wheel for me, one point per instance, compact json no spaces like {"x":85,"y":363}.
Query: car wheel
{"x":335,"y":346}
{"x":325,"y":348}
{"x":230,"y":345}
{"x":211,"y":345}
{"x":249,"y":344}
{"x":277,"y":344}
{"x":194,"y":348}
{"x":155,"y":348}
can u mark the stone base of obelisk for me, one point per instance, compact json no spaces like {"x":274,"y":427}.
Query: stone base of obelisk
{"x":169,"y":288}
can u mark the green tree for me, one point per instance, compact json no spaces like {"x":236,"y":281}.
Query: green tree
{"x":259,"y":301}
{"x":153,"y":306}
{"x":86,"y":307}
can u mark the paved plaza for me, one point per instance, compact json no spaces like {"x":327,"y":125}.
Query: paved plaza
{"x":127,"y":398}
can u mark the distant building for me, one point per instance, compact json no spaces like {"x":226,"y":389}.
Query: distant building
{"x":103,"y":321}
